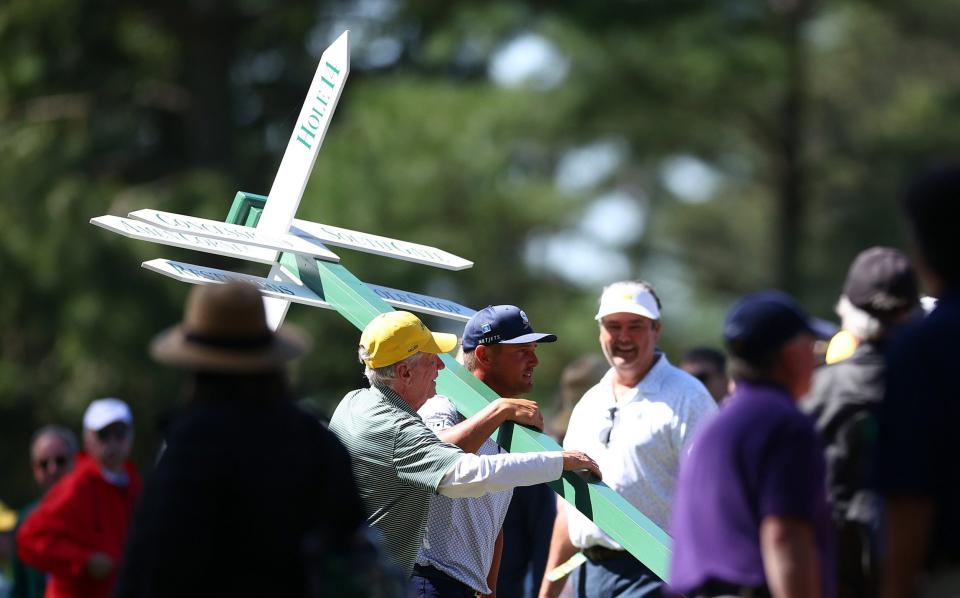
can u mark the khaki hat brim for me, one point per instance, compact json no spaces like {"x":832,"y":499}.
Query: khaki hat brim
{"x":173,"y":347}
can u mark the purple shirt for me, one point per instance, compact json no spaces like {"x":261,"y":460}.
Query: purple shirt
{"x":759,"y":456}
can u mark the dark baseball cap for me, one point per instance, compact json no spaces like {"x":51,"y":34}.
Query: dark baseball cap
{"x":881,"y":282}
{"x":501,"y":324}
{"x":763,"y":322}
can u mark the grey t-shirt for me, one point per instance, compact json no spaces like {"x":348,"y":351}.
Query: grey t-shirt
{"x":398,"y":463}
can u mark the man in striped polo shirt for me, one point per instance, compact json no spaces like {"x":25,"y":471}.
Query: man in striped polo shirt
{"x":399,"y":463}
{"x":464,"y":540}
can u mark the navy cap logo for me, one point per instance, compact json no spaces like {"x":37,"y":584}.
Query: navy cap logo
{"x":523,"y":316}
{"x":485,"y":328}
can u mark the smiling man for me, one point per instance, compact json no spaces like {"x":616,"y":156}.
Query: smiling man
{"x":464,"y":540}
{"x":635,"y":423}
{"x":399,"y":463}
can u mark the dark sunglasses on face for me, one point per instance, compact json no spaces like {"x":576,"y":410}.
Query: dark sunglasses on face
{"x":60,"y":461}
{"x":116,"y":432}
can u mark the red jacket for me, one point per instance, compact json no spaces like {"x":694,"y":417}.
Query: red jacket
{"x":82,"y":514}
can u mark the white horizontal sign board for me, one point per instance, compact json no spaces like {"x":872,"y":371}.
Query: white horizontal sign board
{"x":202,"y":275}
{"x":424,"y":304}
{"x":296,"y":293}
{"x":142,"y":231}
{"x":204,"y":227}
{"x":385,"y":246}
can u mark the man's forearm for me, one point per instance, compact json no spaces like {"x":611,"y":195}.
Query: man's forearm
{"x":908,"y":524}
{"x":561,"y":549}
{"x":470,"y":434}
{"x":474,"y":475}
{"x":790,"y":558}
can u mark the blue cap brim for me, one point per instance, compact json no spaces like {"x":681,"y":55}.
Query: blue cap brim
{"x":533,"y":337}
{"x":822,"y":329}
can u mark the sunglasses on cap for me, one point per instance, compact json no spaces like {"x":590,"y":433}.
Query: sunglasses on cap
{"x":115,"y":432}
{"x":59,"y":460}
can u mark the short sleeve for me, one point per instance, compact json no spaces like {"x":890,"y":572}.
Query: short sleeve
{"x":439,"y":413}
{"x":419,"y":457}
{"x":792,"y":473}
{"x":696,"y":409}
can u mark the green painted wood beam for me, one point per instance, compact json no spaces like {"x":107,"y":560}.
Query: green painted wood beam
{"x":358,"y":304}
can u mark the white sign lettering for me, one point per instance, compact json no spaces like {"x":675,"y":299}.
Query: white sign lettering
{"x":235,"y":232}
{"x":289,"y":290}
{"x":142,"y":231}
{"x":385,"y":246}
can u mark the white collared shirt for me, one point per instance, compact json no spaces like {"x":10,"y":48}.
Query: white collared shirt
{"x":462,"y":532}
{"x":650,"y":428}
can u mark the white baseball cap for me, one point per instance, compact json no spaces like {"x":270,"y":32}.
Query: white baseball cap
{"x":628,"y":297}
{"x":103,"y":412}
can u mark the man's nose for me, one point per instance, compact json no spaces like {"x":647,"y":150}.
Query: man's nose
{"x":440,"y":365}
{"x":534,"y":360}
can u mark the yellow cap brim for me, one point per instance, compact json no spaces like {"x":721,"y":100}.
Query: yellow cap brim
{"x":442,"y":343}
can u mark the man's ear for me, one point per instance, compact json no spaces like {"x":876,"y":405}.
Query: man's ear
{"x":482,"y":353}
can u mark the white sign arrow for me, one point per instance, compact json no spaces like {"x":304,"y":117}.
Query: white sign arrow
{"x":385,"y":246}
{"x":301,"y":153}
{"x":204,"y":227}
{"x":142,"y":231}
{"x":288,"y":290}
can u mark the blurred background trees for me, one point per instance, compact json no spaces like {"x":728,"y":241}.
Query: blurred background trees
{"x":711,"y":148}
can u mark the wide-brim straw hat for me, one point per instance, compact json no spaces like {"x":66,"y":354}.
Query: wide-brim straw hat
{"x":224,"y":329}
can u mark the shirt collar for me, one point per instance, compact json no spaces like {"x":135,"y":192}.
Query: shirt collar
{"x":761,"y":389}
{"x":390,"y":396}
{"x":653,"y":381}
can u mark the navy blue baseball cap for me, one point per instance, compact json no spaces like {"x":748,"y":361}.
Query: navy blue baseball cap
{"x":501,"y":324}
{"x":763,"y":322}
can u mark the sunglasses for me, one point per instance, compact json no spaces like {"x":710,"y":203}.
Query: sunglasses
{"x":117,"y":433}
{"x":605,"y":433}
{"x":60,"y":460}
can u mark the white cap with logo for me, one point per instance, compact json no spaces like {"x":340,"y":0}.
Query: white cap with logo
{"x":103,"y":412}
{"x":628,"y":297}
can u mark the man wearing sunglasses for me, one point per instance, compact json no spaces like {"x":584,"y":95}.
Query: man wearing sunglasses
{"x":52,"y":451}
{"x":635,"y":423}
{"x":78,"y":531}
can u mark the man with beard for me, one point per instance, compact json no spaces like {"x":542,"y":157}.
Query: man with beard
{"x":464,"y":538}
{"x":635,"y":423}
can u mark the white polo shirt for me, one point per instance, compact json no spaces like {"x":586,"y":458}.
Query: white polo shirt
{"x":461,"y":532}
{"x":647,"y":433}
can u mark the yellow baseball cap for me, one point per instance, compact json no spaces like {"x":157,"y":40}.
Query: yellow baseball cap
{"x":396,"y":335}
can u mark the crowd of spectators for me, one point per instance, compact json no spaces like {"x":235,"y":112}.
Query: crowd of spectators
{"x":774,"y":474}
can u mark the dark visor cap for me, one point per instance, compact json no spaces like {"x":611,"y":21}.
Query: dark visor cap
{"x":501,"y":324}
{"x":761,"y":323}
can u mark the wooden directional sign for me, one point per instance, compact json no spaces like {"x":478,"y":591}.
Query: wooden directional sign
{"x":290,"y":290}
{"x":142,"y":231}
{"x":301,"y":153}
{"x":385,"y":246}
{"x":299,"y":277}
{"x":203,"y":227}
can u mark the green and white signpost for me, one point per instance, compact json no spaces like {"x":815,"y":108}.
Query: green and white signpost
{"x":303,"y":270}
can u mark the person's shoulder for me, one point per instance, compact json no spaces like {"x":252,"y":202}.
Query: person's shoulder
{"x":598,"y":392}
{"x":438,"y":406}
{"x":685,"y":389}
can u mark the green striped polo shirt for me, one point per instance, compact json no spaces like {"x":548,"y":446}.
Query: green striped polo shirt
{"x":398,"y":463}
